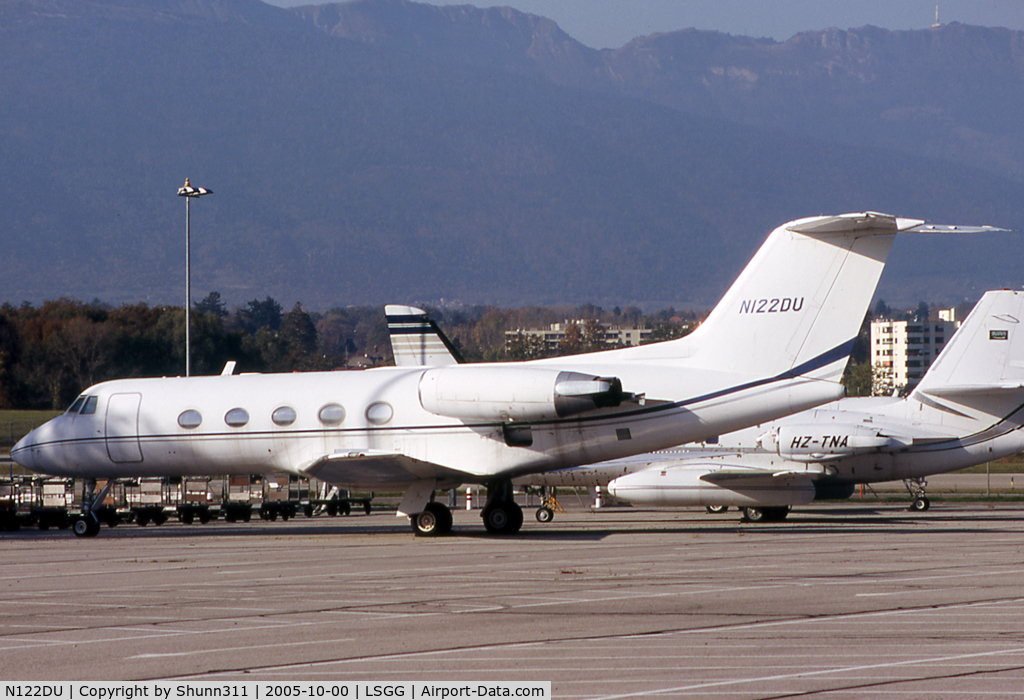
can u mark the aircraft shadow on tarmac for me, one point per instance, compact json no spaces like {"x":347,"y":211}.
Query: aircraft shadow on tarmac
{"x":896,"y":519}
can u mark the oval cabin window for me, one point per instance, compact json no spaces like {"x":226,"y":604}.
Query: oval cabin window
{"x":284,"y":415}
{"x":379,"y":413}
{"x":236,"y":417}
{"x":331,"y":414}
{"x":190,"y":419}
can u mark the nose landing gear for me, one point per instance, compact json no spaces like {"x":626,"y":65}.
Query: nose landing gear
{"x":916,"y":487}
{"x":88,"y":524}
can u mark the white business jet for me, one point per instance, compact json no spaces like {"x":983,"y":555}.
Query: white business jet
{"x":777,"y":343}
{"x":967,"y":410}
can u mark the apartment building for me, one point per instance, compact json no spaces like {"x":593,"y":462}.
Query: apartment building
{"x":902,"y":351}
{"x":555,"y":334}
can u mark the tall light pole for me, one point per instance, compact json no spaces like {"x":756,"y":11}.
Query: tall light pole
{"x":188,"y":192}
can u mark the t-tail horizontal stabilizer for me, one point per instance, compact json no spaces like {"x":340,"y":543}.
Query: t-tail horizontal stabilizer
{"x":798,"y":305}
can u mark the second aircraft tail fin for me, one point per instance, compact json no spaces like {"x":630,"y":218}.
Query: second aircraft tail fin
{"x":983,"y":363}
{"x":418,"y":341}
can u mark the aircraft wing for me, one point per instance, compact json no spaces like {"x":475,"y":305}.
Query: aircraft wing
{"x":372,"y":469}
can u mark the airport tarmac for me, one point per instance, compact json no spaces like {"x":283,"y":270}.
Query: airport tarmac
{"x":838,"y":601}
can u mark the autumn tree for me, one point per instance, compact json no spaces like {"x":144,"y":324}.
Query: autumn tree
{"x":522,"y":346}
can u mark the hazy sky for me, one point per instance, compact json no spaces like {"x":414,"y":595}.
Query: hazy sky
{"x":611,"y":23}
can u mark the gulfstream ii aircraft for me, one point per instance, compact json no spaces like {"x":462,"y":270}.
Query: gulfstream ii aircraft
{"x":777,"y":343}
{"x":968,"y":409}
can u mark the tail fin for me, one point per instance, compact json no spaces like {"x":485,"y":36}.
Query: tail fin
{"x":798,"y":305}
{"x":985,"y":357}
{"x":416,"y":340}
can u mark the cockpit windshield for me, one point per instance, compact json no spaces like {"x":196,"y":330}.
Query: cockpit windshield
{"x":84,"y":405}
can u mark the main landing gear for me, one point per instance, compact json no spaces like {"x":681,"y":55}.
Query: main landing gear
{"x":502,"y":515}
{"x":88,"y":524}
{"x":916,"y":487}
{"x":433,"y":521}
{"x":765,"y":514}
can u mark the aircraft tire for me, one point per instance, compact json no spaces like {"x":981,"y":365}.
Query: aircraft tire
{"x":766,"y":514}
{"x":434,"y":520}
{"x":920,"y":504}
{"x":517,"y":517}
{"x":754,"y":515}
{"x":424,"y":524}
{"x":503,"y":518}
{"x":85,"y":527}
{"x":496,"y":519}
{"x":545,"y":515}
{"x":715,"y":510}
{"x":448,"y":520}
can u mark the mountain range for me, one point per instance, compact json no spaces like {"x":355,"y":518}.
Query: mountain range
{"x":387,"y":151}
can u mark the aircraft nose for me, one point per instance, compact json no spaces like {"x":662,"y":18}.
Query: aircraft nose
{"x":22,"y":454}
{"x":41,"y":450}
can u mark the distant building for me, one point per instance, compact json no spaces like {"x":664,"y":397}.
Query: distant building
{"x":902,"y":351}
{"x":555,"y":334}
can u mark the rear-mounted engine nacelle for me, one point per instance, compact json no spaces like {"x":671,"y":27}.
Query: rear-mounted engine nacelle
{"x":514,"y":393}
{"x":815,"y":442}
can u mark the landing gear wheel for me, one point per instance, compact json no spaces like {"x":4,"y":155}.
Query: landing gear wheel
{"x":503,"y":518}
{"x":545,"y":514}
{"x":86,"y":527}
{"x":754,"y":515}
{"x":916,"y":487}
{"x":517,"y":517}
{"x":766,"y":514}
{"x":435,"y":520}
{"x":715,"y":510}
